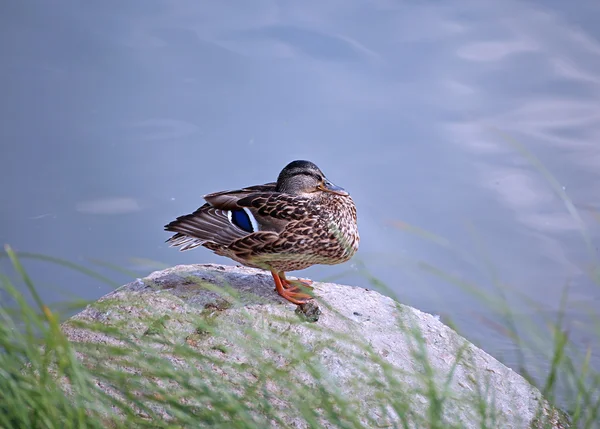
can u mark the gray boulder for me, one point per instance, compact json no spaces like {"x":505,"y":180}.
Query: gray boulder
{"x":235,"y":348}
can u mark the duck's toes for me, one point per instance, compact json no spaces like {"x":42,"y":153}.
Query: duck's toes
{"x":289,"y":291}
{"x":296,"y":290}
{"x":306,"y":282}
{"x":297,"y":298}
{"x":298,"y":283}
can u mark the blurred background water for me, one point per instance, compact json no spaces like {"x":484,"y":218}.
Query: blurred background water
{"x":116,"y":117}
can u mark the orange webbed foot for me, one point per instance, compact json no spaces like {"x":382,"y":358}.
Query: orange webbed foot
{"x":298,"y":283}
{"x":290,"y":291}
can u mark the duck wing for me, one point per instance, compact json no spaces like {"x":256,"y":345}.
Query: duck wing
{"x":257,"y":213}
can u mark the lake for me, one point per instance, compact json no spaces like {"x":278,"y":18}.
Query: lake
{"x":116,"y":117}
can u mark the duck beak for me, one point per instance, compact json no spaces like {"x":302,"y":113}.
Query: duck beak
{"x":327,"y":186}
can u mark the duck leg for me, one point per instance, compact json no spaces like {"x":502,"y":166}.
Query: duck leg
{"x":291,"y":292}
{"x":290,"y":284}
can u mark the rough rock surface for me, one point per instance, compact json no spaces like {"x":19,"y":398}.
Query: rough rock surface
{"x":383,"y":337}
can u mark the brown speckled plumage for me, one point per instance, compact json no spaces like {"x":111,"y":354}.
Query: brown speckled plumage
{"x":298,"y":221}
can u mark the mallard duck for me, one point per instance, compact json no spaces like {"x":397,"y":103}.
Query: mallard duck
{"x":301,"y":220}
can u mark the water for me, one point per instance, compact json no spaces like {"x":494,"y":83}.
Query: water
{"x":117,"y":117}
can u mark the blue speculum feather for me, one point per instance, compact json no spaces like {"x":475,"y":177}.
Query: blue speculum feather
{"x":241,"y":219}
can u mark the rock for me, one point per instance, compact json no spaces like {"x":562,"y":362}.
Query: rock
{"x":357,"y":354}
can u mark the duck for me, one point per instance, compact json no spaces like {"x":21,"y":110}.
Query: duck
{"x":302,"y":219}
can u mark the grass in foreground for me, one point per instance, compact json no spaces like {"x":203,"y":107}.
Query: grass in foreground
{"x":156,"y":377}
